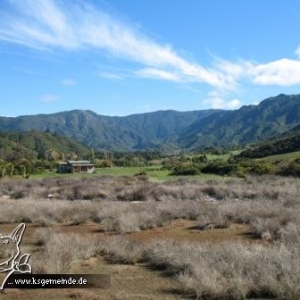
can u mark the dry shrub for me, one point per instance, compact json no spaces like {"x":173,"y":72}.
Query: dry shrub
{"x":290,"y":234}
{"x":166,"y":254}
{"x":60,"y":250}
{"x":176,"y":190}
{"x":130,"y":188}
{"x":135,"y":217}
{"x":236,"y":271}
{"x":259,"y":201}
{"x":212,"y":217}
{"x":268,"y":228}
{"x":137,"y":192}
{"x":215,"y":192}
{"x":130,"y":217}
{"x":119,"y":250}
{"x":44,"y":212}
{"x":245,"y":211}
{"x":222,"y":271}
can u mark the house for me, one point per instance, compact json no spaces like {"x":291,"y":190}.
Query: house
{"x":75,"y":166}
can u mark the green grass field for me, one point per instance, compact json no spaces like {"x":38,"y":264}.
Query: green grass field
{"x":286,"y":156}
{"x":222,"y":156}
{"x":154,"y":174}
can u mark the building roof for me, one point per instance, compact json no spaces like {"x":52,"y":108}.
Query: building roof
{"x":77,"y":163}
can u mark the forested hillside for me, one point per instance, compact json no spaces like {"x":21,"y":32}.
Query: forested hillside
{"x":168,"y":130}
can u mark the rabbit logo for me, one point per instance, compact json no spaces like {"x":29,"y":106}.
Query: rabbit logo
{"x":10,"y":260}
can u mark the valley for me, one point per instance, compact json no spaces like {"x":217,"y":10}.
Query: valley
{"x":157,"y":217}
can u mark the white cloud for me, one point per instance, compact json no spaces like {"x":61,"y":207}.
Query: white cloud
{"x":220,"y":103}
{"x":283,"y":72}
{"x":79,"y":26}
{"x":232,"y":71}
{"x":37,"y":24}
{"x":233,"y":104}
{"x":158,"y":74}
{"x":68,"y":82}
{"x":8,"y":116}
{"x":47,"y":98}
{"x":217,"y":100}
{"x":51,"y":24}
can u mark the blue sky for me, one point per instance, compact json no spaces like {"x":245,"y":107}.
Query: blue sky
{"x":119,"y":57}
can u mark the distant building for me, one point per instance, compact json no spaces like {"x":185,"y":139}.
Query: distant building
{"x":75,"y":166}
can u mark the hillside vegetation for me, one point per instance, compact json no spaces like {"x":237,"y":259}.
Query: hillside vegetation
{"x":135,"y":132}
{"x":168,"y":130}
{"x":251,"y":123}
{"x":285,"y":143}
{"x":31,"y":145}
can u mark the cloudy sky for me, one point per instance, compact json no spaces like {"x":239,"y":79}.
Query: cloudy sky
{"x":119,"y":57}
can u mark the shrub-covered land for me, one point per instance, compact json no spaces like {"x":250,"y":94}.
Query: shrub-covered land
{"x":205,"y":271}
{"x":269,"y":205}
{"x":237,"y":166}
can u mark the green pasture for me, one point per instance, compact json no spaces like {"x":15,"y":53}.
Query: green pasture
{"x":154,"y":173}
{"x":224,"y":157}
{"x":279,"y":157}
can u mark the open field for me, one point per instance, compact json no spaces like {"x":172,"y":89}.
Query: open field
{"x":223,"y":156}
{"x":278,"y":157}
{"x":177,"y":239}
{"x":154,"y":173}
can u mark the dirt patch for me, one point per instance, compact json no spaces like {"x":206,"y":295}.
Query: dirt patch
{"x":181,"y":230}
{"x":186,"y":230}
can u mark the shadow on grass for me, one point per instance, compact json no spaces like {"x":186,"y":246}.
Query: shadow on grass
{"x":250,"y":236}
{"x":179,"y":292}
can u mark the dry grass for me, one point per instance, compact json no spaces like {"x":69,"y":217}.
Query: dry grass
{"x":60,"y":250}
{"x":207,"y":271}
{"x":268,"y":204}
{"x":223,"y":271}
{"x":119,"y":250}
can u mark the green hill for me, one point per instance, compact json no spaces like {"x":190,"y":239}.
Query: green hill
{"x":34,"y":144}
{"x":251,"y":123}
{"x":287,"y":142}
{"x":135,"y":132}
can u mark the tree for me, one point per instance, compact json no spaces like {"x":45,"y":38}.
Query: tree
{"x":25,"y":167}
{"x":107,"y":163}
{"x":54,"y":155}
{"x":92,"y":154}
{"x":2,"y":169}
{"x":10,"y":169}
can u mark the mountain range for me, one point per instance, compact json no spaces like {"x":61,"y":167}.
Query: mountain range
{"x":167,"y":130}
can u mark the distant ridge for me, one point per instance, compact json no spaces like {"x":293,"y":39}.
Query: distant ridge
{"x":250,"y":123}
{"x":168,"y":130}
{"x":134,"y":132}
